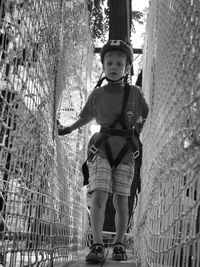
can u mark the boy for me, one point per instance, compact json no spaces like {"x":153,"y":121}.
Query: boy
{"x":105,"y":104}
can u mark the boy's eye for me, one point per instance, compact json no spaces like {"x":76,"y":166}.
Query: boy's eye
{"x":109,"y":63}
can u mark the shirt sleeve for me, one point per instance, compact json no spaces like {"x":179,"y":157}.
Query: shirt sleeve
{"x":88,"y":111}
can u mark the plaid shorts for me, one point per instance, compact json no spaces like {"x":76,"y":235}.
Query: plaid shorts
{"x":103,"y":178}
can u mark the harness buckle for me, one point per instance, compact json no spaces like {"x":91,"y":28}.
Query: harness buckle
{"x":93,"y":149}
{"x":136,"y":154}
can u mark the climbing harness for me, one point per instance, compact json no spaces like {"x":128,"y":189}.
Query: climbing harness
{"x":128,"y":134}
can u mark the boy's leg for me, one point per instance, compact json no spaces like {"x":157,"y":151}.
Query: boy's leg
{"x":100,"y":185}
{"x":121,"y":220}
{"x":97,"y":215}
{"x":121,"y":217}
{"x":123,"y":177}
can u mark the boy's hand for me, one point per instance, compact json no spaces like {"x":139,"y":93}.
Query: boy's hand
{"x":63,"y":130}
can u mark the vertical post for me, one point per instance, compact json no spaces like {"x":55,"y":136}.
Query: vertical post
{"x":120,"y":19}
{"x":128,"y":19}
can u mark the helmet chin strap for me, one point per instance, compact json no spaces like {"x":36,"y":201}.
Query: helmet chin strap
{"x":113,"y":81}
{"x":124,"y":78}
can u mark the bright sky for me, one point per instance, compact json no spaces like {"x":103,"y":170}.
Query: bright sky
{"x":139,"y":5}
{"x":137,"y":38}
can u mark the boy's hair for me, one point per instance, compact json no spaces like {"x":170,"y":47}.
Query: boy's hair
{"x":120,"y":45}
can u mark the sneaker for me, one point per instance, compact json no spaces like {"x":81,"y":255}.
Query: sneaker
{"x":119,"y":252}
{"x":96,"y":254}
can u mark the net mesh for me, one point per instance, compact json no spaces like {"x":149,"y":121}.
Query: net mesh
{"x":167,"y":218}
{"x":45,"y":67}
{"x":45,"y":56}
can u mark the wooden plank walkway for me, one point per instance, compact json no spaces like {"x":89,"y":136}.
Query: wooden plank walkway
{"x":108,"y":263}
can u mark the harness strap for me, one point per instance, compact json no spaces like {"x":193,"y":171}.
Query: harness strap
{"x":85,"y":172}
{"x":108,"y":151}
{"x":116,"y":132}
{"x":125,"y":99}
{"x":125,"y":132}
{"x":129,"y":146}
{"x":121,"y":155}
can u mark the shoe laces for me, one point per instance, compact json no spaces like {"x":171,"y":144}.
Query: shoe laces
{"x":119,"y":249}
{"x":96,"y":249}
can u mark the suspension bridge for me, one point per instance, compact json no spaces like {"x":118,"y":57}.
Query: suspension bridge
{"x":46,"y":56}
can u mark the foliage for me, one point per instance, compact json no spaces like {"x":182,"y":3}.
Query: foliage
{"x":99,"y":19}
{"x":138,"y":17}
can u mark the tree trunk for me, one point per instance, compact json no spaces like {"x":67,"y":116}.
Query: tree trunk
{"x":120,"y":19}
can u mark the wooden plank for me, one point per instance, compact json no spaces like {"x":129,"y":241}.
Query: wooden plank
{"x":108,"y":263}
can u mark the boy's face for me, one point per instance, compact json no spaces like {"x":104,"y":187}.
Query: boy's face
{"x":114,"y":64}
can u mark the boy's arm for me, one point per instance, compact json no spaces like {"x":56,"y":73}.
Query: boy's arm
{"x":85,"y":116}
{"x":144,"y":110}
{"x":67,"y":130}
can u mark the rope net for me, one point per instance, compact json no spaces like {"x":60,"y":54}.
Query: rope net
{"x":167,"y":218}
{"x":45,"y":54}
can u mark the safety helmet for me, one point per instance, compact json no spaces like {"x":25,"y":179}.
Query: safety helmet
{"x":117,"y":45}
